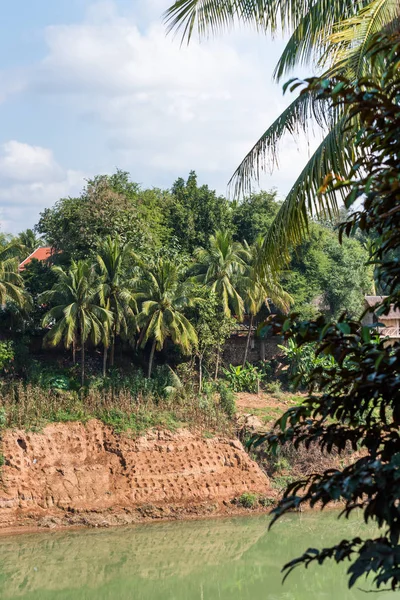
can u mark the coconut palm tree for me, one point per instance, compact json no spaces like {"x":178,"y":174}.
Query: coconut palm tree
{"x":77,"y":314}
{"x":220,"y":268}
{"x":11,"y":282}
{"x":162,"y":299}
{"x":259,"y":287}
{"x":115,"y":290}
{"x":335,"y":36}
{"x":29,"y":242}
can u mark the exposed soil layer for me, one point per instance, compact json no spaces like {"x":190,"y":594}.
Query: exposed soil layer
{"x":76,"y":474}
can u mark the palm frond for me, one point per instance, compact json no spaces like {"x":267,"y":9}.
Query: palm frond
{"x":333,"y":156}
{"x":296,"y":118}
{"x":207,"y":16}
{"x":309,"y":40}
{"x":350,"y":42}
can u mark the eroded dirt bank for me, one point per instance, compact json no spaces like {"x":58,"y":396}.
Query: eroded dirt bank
{"x":75,"y":474}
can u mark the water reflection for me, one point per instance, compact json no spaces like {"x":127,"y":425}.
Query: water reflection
{"x":206,"y":560}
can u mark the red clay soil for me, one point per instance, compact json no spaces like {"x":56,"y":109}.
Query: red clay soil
{"x":75,"y":474}
{"x":245,"y":400}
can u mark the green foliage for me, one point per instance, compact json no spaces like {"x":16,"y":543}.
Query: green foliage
{"x":325,"y":276}
{"x":32,"y":407}
{"x":193,"y":213}
{"x":248,"y":500}
{"x":213,"y":328}
{"x":358,"y":407}
{"x":162,"y":298}
{"x":109,"y":205}
{"x":7,"y":355}
{"x":303,"y":360}
{"x":243,"y":379}
{"x":219,"y":268}
{"x":253,"y":215}
{"x":227,"y":399}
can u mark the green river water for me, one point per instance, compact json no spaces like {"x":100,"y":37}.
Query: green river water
{"x":204,"y":560}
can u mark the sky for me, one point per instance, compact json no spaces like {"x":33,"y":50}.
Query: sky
{"x":88,"y":86}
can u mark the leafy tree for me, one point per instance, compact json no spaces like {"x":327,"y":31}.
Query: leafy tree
{"x":162,"y":299}
{"x":76,"y":314}
{"x":254,"y":215}
{"x":193,"y":213}
{"x":259,"y":287}
{"x":219,"y":268}
{"x":115,"y":290}
{"x":358,"y":407}
{"x":38,"y":277}
{"x":213,"y":328}
{"x":325,"y":276}
{"x":109,"y":205}
{"x":332,"y":34}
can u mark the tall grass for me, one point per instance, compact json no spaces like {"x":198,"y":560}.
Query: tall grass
{"x":32,"y":407}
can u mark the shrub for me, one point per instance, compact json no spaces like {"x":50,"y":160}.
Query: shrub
{"x":6,"y":355}
{"x":227,"y":399}
{"x":243,"y":379}
{"x":303,"y":360}
{"x":248,"y":500}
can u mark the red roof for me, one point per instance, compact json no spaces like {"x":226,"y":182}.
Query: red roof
{"x":42,"y":253}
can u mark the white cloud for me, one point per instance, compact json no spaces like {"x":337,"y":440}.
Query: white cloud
{"x":158,"y":109}
{"x":31,"y":180}
{"x":164,"y":108}
{"x":22,"y":162}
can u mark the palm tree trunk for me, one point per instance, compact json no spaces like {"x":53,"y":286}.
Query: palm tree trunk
{"x":200,"y":372}
{"x":246,"y":351}
{"x":83,"y":363}
{"x":74,"y":352}
{"x":105,"y":361}
{"x":112,"y":353}
{"x":217,"y":363}
{"x":153,"y":347}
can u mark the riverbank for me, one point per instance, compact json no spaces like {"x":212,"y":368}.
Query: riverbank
{"x":86,"y":474}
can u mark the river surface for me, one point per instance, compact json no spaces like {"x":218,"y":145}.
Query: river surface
{"x":224,"y":559}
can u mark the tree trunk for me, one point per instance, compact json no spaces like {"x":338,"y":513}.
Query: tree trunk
{"x":153,"y":347}
{"x":246,"y":351}
{"x":217,"y":363}
{"x":200,"y":373}
{"x":83,"y":363}
{"x":112,"y":353}
{"x":105,"y":361}
{"x":74,"y":352}
{"x":262,"y":350}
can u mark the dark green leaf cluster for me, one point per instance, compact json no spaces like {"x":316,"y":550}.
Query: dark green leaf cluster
{"x":359,"y":404}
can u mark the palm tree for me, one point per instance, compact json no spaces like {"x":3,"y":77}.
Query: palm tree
{"x":162,"y":299}
{"x":220,"y":267}
{"x":335,"y":36}
{"x":29,"y":242}
{"x":11,"y":282}
{"x":115,"y":290}
{"x":77,"y":314}
{"x":259,"y":286}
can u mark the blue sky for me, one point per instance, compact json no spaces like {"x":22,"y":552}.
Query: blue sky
{"x":87,"y":86}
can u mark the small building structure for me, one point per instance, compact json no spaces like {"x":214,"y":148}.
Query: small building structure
{"x":43,"y":253}
{"x":390,"y":322}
